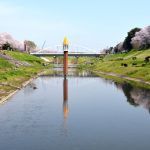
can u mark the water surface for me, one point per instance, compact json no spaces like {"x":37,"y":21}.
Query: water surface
{"x":82,"y":112}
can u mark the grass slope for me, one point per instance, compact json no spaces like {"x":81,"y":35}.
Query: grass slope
{"x":12,"y":75}
{"x":137,"y":68}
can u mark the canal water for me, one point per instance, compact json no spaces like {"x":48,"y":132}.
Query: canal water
{"x":82,"y":112}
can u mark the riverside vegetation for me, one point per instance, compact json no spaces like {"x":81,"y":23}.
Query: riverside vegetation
{"x":16,"y":68}
{"x":133,"y":64}
{"x":20,"y":67}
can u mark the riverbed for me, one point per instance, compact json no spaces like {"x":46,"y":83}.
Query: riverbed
{"x":80,"y":112}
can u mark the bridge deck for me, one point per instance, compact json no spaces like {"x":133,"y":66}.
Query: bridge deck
{"x":69,"y":54}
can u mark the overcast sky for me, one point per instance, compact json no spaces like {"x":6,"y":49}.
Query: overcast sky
{"x":95,"y":24}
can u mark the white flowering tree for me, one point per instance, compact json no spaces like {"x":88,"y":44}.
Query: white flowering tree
{"x":142,"y":39}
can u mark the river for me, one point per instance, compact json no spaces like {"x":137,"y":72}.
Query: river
{"x":82,"y":112}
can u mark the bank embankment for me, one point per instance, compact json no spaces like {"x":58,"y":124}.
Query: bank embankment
{"x":133,"y":66}
{"x":17,"y":70}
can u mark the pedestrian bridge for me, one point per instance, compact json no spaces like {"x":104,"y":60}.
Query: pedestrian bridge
{"x":69,"y":54}
{"x":74,"y":51}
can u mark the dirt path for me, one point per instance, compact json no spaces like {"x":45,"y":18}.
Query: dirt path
{"x":123,"y":77}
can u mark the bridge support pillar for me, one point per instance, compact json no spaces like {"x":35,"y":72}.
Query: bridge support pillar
{"x":57,"y":60}
{"x":54,"y":59}
{"x":77,"y":59}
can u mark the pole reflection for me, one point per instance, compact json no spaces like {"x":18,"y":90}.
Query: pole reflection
{"x":65,"y":100}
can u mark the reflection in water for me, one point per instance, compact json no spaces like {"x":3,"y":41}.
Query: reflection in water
{"x":135,"y":96}
{"x":72,"y":72}
{"x":65,"y":104}
{"x":65,"y":100}
{"x":30,"y":88}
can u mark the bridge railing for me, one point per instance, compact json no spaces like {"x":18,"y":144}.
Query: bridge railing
{"x":72,"y":49}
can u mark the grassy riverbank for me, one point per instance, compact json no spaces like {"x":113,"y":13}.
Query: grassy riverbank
{"x":16,"y":69}
{"x":131,"y":64}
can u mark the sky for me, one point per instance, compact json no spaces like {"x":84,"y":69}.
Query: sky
{"x":95,"y":24}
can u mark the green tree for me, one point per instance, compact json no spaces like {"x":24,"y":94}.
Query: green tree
{"x":7,"y":46}
{"x":127,"y":42}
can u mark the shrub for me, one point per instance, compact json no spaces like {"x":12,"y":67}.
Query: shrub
{"x":147,"y":59}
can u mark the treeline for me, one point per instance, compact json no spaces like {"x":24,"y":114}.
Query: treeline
{"x":7,"y":42}
{"x":137,"y":38}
